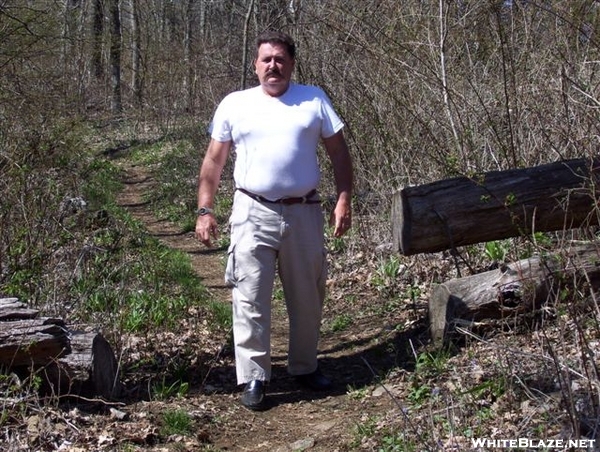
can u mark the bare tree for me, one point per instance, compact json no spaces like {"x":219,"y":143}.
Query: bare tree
{"x":97,"y":33}
{"x":245,"y":42}
{"x":136,"y":57}
{"x":188,"y":78}
{"x":116,"y":105}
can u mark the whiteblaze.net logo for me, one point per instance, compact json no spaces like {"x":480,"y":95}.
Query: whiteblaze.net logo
{"x":534,"y":443}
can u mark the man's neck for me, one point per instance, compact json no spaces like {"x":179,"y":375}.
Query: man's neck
{"x":275,"y":91}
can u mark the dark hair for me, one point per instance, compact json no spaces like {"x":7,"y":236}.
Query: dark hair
{"x":277,"y":37}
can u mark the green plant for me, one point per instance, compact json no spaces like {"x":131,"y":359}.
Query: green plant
{"x":396,"y":442}
{"x":432,"y":363}
{"x":357,"y":393}
{"x":278,"y":293}
{"x":146,"y":309}
{"x":365,"y":429}
{"x":390,"y":268}
{"x":221,"y":314}
{"x":386,"y":274}
{"x":419,"y":393}
{"x":489,"y":389}
{"x":496,"y":250}
{"x":176,"y":422}
{"x":413,"y":292}
{"x":336,"y":245}
{"x":174,"y":196}
{"x":101,"y":184}
{"x":164,"y":391}
{"x":223,"y":241}
{"x":542,"y":239}
{"x":341,"y":322}
{"x":510,"y":200}
{"x":382,"y":438}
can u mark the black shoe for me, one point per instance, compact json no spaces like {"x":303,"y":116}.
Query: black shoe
{"x":253,"y":396}
{"x":315,"y":381}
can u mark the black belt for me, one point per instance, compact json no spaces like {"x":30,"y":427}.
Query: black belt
{"x":298,"y":200}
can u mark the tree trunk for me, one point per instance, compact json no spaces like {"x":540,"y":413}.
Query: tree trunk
{"x":496,"y":205}
{"x":136,"y":57}
{"x":97,"y":32}
{"x":116,"y":105}
{"x":510,"y":291}
{"x":245,"y":43}
{"x":188,"y":78}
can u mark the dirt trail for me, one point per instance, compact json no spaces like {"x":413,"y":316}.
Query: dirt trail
{"x":296,"y":419}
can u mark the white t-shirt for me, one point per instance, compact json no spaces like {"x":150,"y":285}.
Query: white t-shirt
{"x":275,"y":139}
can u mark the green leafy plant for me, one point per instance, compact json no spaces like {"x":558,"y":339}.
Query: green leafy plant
{"x":510,"y":200}
{"x":432,"y":363}
{"x":386,"y":274}
{"x":419,"y":393}
{"x":357,"y":393}
{"x":221,"y":314}
{"x":496,"y":250}
{"x":341,"y":322}
{"x":335,"y":245}
{"x":176,"y":422}
{"x":164,"y":390}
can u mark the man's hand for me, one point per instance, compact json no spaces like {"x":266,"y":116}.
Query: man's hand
{"x":341,"y":218}
{"x":206,"y":227}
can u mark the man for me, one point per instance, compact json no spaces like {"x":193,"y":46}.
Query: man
{"x":276,"y":220}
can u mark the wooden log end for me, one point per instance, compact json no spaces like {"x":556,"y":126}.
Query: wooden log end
{"x":91,"y":369}
{"x":401,"y":223}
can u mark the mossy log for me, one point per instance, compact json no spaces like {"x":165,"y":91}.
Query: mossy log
{"x":70,"y":362}
{"x":511,"y":290}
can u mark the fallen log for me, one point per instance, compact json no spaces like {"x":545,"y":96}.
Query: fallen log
{"x":89,"y":370}
{"x":496,"y":205}
{"x":509,"y":291}
{"x":26,"y":339}
{"x":72,"y":362}
{"x":13,"y":309}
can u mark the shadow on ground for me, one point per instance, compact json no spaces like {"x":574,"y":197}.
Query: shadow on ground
{"x":352,"y":365}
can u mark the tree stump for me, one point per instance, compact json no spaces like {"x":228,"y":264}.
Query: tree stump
{"x":70,"y":362}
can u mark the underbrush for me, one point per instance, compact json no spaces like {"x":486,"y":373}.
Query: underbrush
{"x":68,"y":249}
{"x":532,"y":377}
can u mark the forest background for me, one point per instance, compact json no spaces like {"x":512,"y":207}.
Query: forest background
{"x":428,"y":90}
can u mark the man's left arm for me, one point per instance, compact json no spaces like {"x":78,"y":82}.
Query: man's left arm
{"x":337,"y":149}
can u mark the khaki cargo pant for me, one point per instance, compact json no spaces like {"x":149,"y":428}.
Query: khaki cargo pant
{"x":267,"y":238}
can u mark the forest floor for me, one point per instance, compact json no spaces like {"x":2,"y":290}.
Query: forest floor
{"x":354,"y":357}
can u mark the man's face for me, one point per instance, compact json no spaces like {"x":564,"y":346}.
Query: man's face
{"x":274,"y":67}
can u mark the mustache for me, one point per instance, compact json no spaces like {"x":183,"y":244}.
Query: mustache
{"x":273,"y":72}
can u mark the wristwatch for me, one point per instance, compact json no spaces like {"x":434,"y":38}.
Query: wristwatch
{"x":203,"y":211}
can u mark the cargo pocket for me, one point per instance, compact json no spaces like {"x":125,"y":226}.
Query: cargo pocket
{"x":230,"y":279}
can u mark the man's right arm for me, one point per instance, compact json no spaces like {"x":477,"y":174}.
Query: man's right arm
{"x":209,"y":178}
